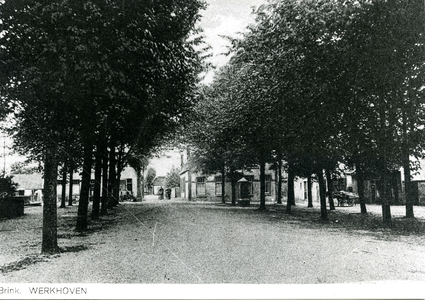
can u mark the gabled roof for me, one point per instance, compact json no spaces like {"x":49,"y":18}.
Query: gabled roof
{"x":159,"y":181}
{"x":28,"y":181}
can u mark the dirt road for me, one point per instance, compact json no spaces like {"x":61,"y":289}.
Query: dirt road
{"x":177,"y":242}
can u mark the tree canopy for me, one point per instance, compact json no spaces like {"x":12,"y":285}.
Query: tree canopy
{"x":78,"y":72}
{"x":324,"y":82}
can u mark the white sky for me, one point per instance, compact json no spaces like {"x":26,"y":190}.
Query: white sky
{"x":225,"y":18}
{"x":166,"y":162}
{"x":221,"y":18}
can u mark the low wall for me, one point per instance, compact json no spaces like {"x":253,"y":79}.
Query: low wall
{"x":11,"y":207}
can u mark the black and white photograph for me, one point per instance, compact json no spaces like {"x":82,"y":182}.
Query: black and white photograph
{"x":212,"y":149}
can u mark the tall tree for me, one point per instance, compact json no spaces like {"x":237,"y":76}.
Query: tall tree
{"x":72,"y":64}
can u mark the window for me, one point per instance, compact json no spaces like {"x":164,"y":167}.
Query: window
{"x":129,"y":185}
{"x":250,"y":178}
{"x":339,"y":184}
{"x":268,"y":184}
{"x":218,"y":185}
{"x":200,"y":186}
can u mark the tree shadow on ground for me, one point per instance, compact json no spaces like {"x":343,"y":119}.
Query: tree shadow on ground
{"x":22,"y":263}
{"x":338,"y":220}
{"x":34,"y":259}
{"x":342,"y":220}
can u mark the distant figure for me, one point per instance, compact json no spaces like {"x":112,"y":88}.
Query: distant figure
{"x":161,"y":193}
{"x":168,"y":193}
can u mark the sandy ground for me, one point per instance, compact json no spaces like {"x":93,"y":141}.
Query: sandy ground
{"x":178,"y":242}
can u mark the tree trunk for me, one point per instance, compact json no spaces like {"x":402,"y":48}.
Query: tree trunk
{"x":71,"y":182}
{"x":97,"y":184}
{"x":395,"y":180}
{"x":360,"y":187}
{"x":386,"y":208}
{"x":104,"y":204}
{"x":309,"y":193}
{"x":408,"y":187}
{"x":116,"y":189}
{"x":189,"y":178}
{"x":279,"y":182}
{"x":120,"y":167}
{"x":330,"y":189}
{"x":63,"y":196}
{"x":142,"y":181}
{"x":112,"y":201}
{"x":262,"y":185}
{"x":49,"y":244}
{"x":223,"y":181}
{"x":233,"y":183}
{"x":139,"y":184}
{"x":82,"y":216}
{"x":291,"y":192}
{"x":322,"y":189}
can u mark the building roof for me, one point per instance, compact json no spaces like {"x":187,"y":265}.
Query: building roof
{"x":159,"y":181}
{"x":28,"y":181}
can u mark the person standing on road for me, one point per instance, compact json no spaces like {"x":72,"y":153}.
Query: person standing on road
{"x":161,"y":193}
{"x":168,"y":194}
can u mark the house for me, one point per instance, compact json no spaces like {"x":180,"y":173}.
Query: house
{"x":128,"y":182}
{"x":301,"y":189}
{"x":158,"y":182}
{"x":347,"y":181}
{"x":76,"y":187}
{"x":202,"y":187}
{"x":30,"y":186}
{"x":417,"y":183}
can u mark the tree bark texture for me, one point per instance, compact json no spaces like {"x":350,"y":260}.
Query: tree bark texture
{"x":97,"y":185}
{"x":330,"y":189}
{"x":279,"y":182}
{"x":49,"y":243}
{"x":112,"y":201}
{"x":71,"y":183}
{"x":223,"y":187}
{"x":63,"y":196}
{"x":262,"y":185}
{"x":360,"y":187}
{"x":233,"y":179}
{"x":291,"y":192}
{"x":189,"y":178}
{"x":309,"y":193}
{"x":408,"y":187}
{"x":385,"y":199}
{"x":142,"y":185}
{"x":139,"y":185}
{"x":104,"y":202}
{"x":82,"y":216}
{"x":322,"y":192}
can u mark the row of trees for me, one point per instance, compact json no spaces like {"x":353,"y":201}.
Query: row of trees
{"x":95,"y":84}
{"x":316,"y":84}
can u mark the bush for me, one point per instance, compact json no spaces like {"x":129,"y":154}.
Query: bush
{"x":7,"y":186}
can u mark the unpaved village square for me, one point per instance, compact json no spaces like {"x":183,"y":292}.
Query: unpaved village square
{"x":177,"y":242}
